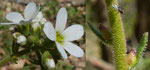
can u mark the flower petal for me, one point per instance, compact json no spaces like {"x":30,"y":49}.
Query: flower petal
{"x":8,"y":23}
{"x":73,"y":49}
{"x":39,"y":15}
{"x":50,"y":31}
{"x":39,"y":18}
{"x":73,"y":32}
{"x":61,"y":50}
{"x":61,"y":20}
{"x":14,"y":17}
{"x":31,"y":11}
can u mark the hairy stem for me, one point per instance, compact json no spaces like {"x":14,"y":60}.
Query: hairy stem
{"x":140,"y":49}
{"x":118,"y":38}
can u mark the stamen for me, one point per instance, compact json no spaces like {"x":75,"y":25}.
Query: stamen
{"x":59,"y":38}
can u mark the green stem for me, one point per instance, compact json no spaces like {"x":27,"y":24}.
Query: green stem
{"x":20,"y":53}
{"x":118,"y":38}
{"x":39,"y":55}
{"x":5,"y":60}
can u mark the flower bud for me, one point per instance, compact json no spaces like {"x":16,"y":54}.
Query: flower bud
{"x":48,"y":60}
{"x":12,"y":28}
{"x":16,"y":35}
{"x":38,"y":20}
{"x":31,"y":39}
{"x":131,"y":58}
{"x":21,"y":40}
{"x":50,"y":63}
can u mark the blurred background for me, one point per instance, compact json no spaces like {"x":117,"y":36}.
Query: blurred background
{"x":49,"y":8}
{"x":136,"y":21}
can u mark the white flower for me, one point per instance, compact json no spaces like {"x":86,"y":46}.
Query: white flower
{"x":39,"y":19}
{"x":30,"y":13}
{"x":21,"y":40}
{"x":63,"y":37}
{"x":50,"y":63}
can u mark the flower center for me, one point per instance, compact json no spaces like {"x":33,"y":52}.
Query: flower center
{"x":59,"y":38}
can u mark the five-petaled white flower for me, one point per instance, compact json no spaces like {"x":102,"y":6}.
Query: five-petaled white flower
{"x":63,"y":37}
{"x":30,"y":13}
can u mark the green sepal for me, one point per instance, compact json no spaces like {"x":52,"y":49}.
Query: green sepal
{"x":46,"y":55}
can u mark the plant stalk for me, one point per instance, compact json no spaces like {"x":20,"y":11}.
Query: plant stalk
{"x":20,"y":53}
{"x":118,"y":37}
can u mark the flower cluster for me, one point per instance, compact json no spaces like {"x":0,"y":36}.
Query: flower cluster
{"x":60,"y":35}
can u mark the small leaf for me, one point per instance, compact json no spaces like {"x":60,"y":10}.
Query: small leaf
{"x":41,"y":60}
{"x":99,"y":34}
{"x":106,"y":33}
{"x":141,"y":48}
